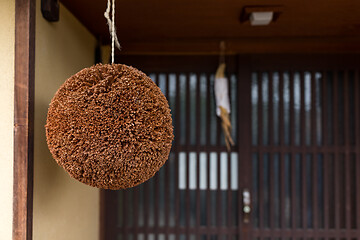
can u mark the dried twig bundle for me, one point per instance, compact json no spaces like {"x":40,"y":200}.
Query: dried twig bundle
{"x":226,"y":126}
{"x":221,"y":86}
{"x":109,"y":126}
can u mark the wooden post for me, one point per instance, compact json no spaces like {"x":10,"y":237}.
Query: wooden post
{"x":23,"y":118}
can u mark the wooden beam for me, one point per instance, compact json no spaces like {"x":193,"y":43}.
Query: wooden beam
{"x":320,"y":45}
{"x":23,"y":119}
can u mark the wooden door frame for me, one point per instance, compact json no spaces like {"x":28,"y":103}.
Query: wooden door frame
{"x":24,"y":119}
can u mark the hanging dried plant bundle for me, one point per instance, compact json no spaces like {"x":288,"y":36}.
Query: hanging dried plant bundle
{"x":223,"y":104}
{"x":226,"y":126}
{"x":109,"y":126}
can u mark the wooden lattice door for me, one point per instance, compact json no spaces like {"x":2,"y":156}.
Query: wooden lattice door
{"x":294,"y":172}
{"x":305,"y":148}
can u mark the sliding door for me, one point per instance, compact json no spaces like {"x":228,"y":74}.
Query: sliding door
{"x":293,"y":174}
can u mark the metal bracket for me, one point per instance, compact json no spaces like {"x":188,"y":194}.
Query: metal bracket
{"x":50,"y":10}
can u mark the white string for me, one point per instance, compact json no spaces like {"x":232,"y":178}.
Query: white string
{"x":112,"y":29}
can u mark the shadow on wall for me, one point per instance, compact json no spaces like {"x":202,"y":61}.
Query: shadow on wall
{"x":46,"y":169}
{"x":63,"y":207}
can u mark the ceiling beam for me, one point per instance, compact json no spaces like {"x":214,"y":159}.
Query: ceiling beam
{"x":244,"y":46}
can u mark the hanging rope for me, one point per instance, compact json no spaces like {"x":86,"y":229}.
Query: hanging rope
{"x":112,"y":29}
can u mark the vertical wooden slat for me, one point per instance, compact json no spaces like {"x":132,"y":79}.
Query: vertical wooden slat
{"x":208,"y":124}
{"x":303,"y":125}
{"x":293,"y":191}
{"x":167,"y":94}
{"x":357,"y":140}
{"x":208,"y":194}
{"x":347,"y":170}
{"x":315,"y":211}
{"x":271,"y":109}
{"x":324,"y":107}
{"x":260,"y":190}
{"x":218,"y":195}
{"x":260,"y":109}
{"x":326,"y":191}
{"x":314,"y":156}
{"x":260,"y":155}
{"x":337,"y":191}
{"x":281,"y":110}
{"x":187,"y":194}
{"x":324,"y":121}
{"x":229,"y":176}
{"x":292,"y":155}
{"x":198,"y":203}
{"x":260,"y":171}
{"x":218,"y":215}
{"x":303,"y":160}
{"x":347,"y":191}
{"x":218,"y":191}
{"x":260,"y":142}
{"x":336,"y":155}
{"x":304,"y":210}
{"x":187,"y":112}
{"x":271,"y":189}
{"x":156,"y":80}
{"x":291,"y":107}
{"x":176,"y":152}
{"x":167,"y":175}
{"x":228,"y":203}
{"x":282,"y":191}
{"x":156,"y":187}
{"x":24,"y":83}
{"x":313,"y":128}
{"x":229,"y":195}
{"x":208,"y":118}
{"x":282,"y":153}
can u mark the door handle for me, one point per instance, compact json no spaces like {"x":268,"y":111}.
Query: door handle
{"x":246,"y":205}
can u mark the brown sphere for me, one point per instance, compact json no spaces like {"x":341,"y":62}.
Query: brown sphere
{"x":109,"y":126}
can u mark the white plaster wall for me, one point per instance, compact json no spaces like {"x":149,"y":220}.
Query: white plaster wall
{"x":64,"y":209}
{"x":7,"y":51}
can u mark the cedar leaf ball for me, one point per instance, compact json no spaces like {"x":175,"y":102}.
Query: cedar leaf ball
{"x":109,"y":126}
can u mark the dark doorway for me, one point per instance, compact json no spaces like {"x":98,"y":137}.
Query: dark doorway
{"x":296,"y":125}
